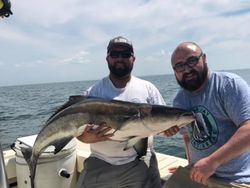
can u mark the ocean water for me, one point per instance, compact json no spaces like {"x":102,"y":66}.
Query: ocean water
{"x":25,"y":109}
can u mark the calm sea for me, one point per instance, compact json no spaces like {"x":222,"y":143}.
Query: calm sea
{"x":24,"y":109}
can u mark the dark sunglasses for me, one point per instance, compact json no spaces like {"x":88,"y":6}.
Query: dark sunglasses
{"x":190,"y":62}
{"x":122,"y":54}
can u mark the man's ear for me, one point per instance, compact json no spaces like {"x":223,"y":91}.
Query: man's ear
{"x":204,"y":58}
{"x":134,"y":58}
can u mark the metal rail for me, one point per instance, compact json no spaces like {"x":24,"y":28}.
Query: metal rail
{"x":3,"y":173}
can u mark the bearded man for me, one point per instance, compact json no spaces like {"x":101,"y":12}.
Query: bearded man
{"x":221,"y":147}
{"x":109,"y":165}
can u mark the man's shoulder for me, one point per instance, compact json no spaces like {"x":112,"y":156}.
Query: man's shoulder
{"x":101,"y":83}
{"x":97,"y":86}
{"x":142,"y":81}
{"x":228,"y":79}
{"x":226,"y":75}
{"x":180,"y":93}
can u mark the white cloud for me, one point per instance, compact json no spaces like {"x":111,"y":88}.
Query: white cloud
{"x":79,"y":58}
{"x":155,"y":56}
{"x":18,"y":65}
{"x":46,"y":12}
{"x":49,"y":34}
{"x":11,"y":34}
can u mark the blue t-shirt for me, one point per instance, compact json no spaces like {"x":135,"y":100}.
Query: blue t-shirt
{"x":224,"y":103}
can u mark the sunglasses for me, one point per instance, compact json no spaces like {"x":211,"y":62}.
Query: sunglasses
{"x":190,"y":62}
{"x":122,"y":54}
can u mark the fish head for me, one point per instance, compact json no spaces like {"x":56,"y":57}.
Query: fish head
{"x":163,"y":117}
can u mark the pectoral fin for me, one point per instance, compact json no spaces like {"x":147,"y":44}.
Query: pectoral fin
{"x":141,"y":146}
{"x":131,"y":142}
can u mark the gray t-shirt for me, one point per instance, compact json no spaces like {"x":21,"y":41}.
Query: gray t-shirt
{"x":224,"y":104}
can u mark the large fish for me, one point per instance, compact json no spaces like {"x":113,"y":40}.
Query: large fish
{"x":130,"y":122}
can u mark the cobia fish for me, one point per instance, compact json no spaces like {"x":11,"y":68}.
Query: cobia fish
{"x":130,"y":123}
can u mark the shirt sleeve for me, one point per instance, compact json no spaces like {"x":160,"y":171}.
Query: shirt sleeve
{"x":178,"y":101}
{"x":237,"y":100}
{"x":155,"y":96}
{"x":86,"y":93}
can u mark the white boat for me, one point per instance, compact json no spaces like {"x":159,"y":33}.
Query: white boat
{"x":61,"y":170}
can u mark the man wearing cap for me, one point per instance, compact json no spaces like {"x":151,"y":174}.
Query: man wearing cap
{"x":109,"y":165}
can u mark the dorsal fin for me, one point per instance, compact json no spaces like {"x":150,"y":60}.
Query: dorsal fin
{"x":72,"y":100}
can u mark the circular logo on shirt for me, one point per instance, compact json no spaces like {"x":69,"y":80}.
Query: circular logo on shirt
{"x":204,"y":133}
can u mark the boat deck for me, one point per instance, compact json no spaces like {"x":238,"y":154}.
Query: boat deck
{"x":164,"y":161}
{"x":83,"y":151}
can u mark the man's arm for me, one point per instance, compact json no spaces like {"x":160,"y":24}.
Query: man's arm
{"x":186,"y":143}
{"x":172,"y":131}
{"x":235,"y":146}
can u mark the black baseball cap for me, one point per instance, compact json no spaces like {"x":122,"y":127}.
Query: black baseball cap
{"x":120,"y":41}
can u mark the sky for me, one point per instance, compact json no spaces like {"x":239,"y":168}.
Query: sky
{"x":66,"y":40}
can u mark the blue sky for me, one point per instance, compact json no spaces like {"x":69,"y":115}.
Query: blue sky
{"x":56,"y":41}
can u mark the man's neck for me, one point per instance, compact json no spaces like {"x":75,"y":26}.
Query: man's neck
{"x":119,"y":82}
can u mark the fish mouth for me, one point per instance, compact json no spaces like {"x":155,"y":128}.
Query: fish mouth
{"x":188,"y":114}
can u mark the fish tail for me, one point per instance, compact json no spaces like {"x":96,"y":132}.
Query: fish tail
{"x":31,"y":161}
{"x":32,"y":167}
{"x":27,"y":153}
{"x":32,"y":180}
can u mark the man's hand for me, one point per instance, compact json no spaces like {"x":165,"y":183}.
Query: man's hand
{"x":171,"y":131}
{"x":93,"y":135}
{"x":173,"y":169}
{"x":202,"y":170}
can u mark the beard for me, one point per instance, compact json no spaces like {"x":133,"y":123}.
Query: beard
{"x":196,"y":82}
{"x":120,"y":72}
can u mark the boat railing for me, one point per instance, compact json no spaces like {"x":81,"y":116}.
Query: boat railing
{"x":3,"y":173}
